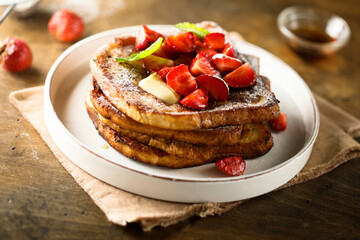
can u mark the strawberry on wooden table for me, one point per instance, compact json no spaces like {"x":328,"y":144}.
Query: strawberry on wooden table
{"x":202,"y":65}
{"x":181,"y":80}
{"x":226,"y":64}
{"x":243,"y":76}
{"x":66,"y":26}
{"x":196,"y":100}
{"x":15,"y":54}
{"x":215,"y":41}
{"x":216,"y":87}
{"x":146,"y":37}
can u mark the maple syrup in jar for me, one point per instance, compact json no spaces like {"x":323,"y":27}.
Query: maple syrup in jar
{"x":313,"y":34}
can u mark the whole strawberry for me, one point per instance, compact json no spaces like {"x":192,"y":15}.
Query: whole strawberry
{"x":15,"y":55}
{"x":66,"y":26}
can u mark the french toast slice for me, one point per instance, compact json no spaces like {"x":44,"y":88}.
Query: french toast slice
{"x":119,"y":83}
{"x":256,"y":141}
{"x":212,"y":136}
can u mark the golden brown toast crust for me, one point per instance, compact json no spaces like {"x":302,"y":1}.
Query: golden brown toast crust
{"x":213,"y":136}
{"x":119,"y":82}
{"x":256,"y":141}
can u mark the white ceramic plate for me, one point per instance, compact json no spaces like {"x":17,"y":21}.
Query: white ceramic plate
{"x":74,"y":133}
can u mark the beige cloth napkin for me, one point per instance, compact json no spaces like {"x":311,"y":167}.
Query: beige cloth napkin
{"x":333,"y":146}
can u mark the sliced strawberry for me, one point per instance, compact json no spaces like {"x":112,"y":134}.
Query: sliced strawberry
{"x":196,"y":100}
{"x":146,"y":37}
{"x":225,"y":64}
{"x":217,"y":88}
{"x":198,"y":40}
{"x":215,"y":41}
{"x":232,"y":166}
{"x":208,"y":51}
{"x":154,"y":63}
{"x":161,"y":52}
{"x":279,"y":124}
{"x":181,"y":80}
{"x":243,"y":76}
{"x":202,"y":65}
{"x":229,"y":50}
{"x":180,"y":43}
{"x":164,"y":71}
{"x":184,"y":58}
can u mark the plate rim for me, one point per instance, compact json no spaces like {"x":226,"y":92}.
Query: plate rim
{"x":113,"y":32}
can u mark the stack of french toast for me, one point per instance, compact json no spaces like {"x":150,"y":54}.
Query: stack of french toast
{"x":178,"y":99}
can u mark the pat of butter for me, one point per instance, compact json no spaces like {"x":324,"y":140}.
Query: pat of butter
{"x":156,"y":86}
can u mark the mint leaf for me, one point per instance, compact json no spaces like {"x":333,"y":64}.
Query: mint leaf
{"x":191,"y":27}
{"x":143,"y":54}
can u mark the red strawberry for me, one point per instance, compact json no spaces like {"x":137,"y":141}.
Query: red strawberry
{"x":229,"y":50}
{"x":199,"y":42}
{"x":66,"y":26}
{"x":279,"y":123}
{"x":161,"y":52}
{"x":208,"y":51}
{"x":226,"y":64}
{"x":202,"y":65}
{"x":198,"y":39}
{"x":215,"y":41}
{"x":154,"y":63}
{"x":185,"y":58}
{"x":180,"y":43}
{"x":164,"y":71}
{"x":216,"y":87}
{"x":146,"y":37}
{"x":196,"y":100}
{"x":232,"y":166}
{"x":243,"y":76}
{"x":15,"y":54}
{"x":181,"y":80}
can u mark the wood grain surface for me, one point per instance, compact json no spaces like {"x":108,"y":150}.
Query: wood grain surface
{"x":40,"y":200}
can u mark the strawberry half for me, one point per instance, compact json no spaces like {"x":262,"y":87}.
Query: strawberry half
{"x":243,"y":76}
{"x":202,"y":65}
{"x":229,"y":50}
{"x":184,"y":58}
{"x":279,"y":123}
{"x":164,"y":72}
{"x":161,"y":52}
{"x":146,"y":37}
{"x":196,"y":100}
{"x":181,"y":80}
{"x":154,"y":63}
{"x":216,"y":87}
{"x":232,"y":166}
{"x":180,"y":43}
{"x":226,"y":64}
{"x":208,"y":51}
{"x":215,"y":41}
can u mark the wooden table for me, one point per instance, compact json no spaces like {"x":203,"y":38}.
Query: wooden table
{"x":40,"y":200}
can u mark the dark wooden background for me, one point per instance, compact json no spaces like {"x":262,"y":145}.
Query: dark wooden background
{"x":40,"y":200}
